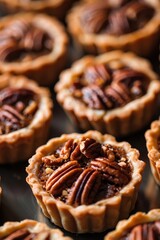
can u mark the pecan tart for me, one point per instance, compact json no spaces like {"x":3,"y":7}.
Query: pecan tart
{"x":153,"y":145}
{"x":25,"y":116}
{"x":85,"y":182}
{"x":115,"y":92}
{"x":57,"y":8}
{"x":140,"y":226}
{"x":32,"y":45}
{"x":29,"y":229}
{"x":129,"y":25}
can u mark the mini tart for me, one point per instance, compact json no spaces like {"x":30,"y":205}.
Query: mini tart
{"x":94,"y":94}
{"x":25,"y":117}
{"x":85,"y":182}
{"x":29,"y":229}
{"x":153,"y":146}
{"x":138,"y":226}
{"x":34,"y":46}
{"x":57,"y":8}
{"x":97,"y":31}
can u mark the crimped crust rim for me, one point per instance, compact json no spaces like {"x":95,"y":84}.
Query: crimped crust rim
{"x":36,"y":226}
{"x":151,"y":136}
{"x":138,"y":218}
{"x":132,"y":154}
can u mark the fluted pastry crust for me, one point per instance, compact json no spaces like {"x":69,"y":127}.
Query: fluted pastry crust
{"x":118,"y":121}
{"x":138,"y":218}
{"x":142,"y":41}
{"x":35,"y":228}
{"x":57,"y":8}
{"x":21,"y":144}
{"x":43,"y":69}
{"x":95,"y":217}
{"x":152,"y":137}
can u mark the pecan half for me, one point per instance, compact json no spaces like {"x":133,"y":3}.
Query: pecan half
{"x":64,"y":175}
{"x":17,"y":107}
{"x":111,"y":171}
{"x":10,"y":119}
{"x":85,"y":188}
{"x":148,"y":231}
{"x":94,"y":18}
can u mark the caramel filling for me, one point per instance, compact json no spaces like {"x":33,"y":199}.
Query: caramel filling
{"x":101,"y":87}
{"x":127,"y":16}
{"x":23,"y":41}
{"x":147,"y":231}
{"x":84,"y":171}
{"x":17,"y":108}
{"x":25,"y":234}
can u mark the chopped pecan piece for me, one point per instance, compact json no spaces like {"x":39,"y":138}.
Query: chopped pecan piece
{"x":98,"y":74}
{"x":90,"y":148}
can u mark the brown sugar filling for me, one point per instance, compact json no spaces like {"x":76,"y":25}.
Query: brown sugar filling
{"x":84,"y":171}
{"x":147,"y":231}
{"x":23,"y":41}
{"x":126,"y":17}
{"x":25,"y":234}
{"x":17,"y":108}
{"x":102,"y":87}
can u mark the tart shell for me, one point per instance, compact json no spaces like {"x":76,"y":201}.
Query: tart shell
{"x":138,"y":218}
{"x":21,"y":144}
{"x":57,"y":8}
{"x":142,"y":41}
{"x":152,"y":136}
{"x":96,"y":217}
{"x":34,"y":227}
{"x":119,"y":121}
{"x":44,"y":69}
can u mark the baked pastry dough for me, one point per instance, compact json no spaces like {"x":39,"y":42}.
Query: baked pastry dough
{"x":29,"y":229}
{"x":138,"y":226}
{"x":115,"y":92}
{"x":34,"y":46}
{"x":110,"y":25}
{"x":25,"y":117}
{"x":85,"y":182}
{"x":153,"y":146}
{"x":57,"y":8}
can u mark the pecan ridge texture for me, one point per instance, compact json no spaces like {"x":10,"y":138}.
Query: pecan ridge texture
{"x":84,"y":171}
